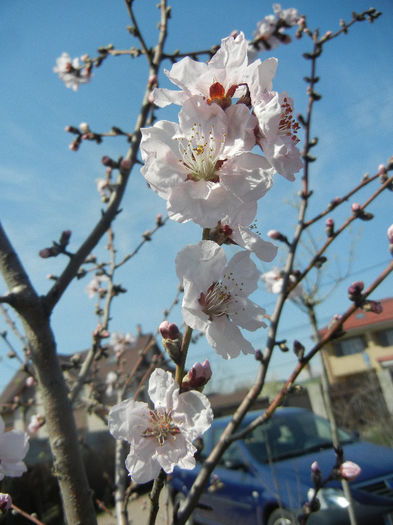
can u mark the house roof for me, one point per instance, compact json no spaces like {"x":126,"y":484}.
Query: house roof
{"x":361,"y":319}
{"x":98,"y":372}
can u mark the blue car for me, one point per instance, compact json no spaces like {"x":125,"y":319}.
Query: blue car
{"x":266,"y":478}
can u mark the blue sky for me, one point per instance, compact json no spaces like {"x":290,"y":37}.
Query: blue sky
{"x":45,"y":188}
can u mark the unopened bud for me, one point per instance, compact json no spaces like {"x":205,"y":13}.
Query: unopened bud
{"x":316,"y":474}
{"x":349,"y":470}
{"x":45,"y":253}
{"x":329,"y":227}
{"x":159,"y":221}
{"x":169,"y":330}
{"x":125,"y":165}
{"x":30,"y":381}
{"x":197,"y":377}
{"x":277,"y":236}
{"x":381,"y":169}
{"x":355,"y":207}
{"x":84,"y":127}
{"x":355,"y":290}
{"x":65,"y":237}
{"x":372,"y":306}
{"x":108,"y":162}
{"x":298,"y":349}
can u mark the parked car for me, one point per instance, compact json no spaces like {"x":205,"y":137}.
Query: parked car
{"x":265,"y":478}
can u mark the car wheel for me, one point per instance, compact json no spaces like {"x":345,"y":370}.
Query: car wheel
{"x":177,"y":501}
{"x":281,"y":517}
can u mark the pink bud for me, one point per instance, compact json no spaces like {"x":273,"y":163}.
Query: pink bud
{"x":381,"y":169}
{"x":198,"y":376}
{"x":349,"y":470}
{"x":356,"y":288}
{"x":35,"y":424}
{"x":330,"y":222}
{"x":355,"y":207}
{"x":45,"y":253}
{"x":169,"y":330}
{"x":74,"y":146}
{"x":84,"y":127}
{"x":315,"y":467}
{"x":30,"y":381}
{"x":108,"y":162}
{"x":274,"y":234}
{"x":125,"y":165}
{"x":5,"y":502}
{"x":152,"y":80}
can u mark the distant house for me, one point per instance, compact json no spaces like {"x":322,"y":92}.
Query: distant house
{"x":367,"y":345}
{"x":19,"y":402}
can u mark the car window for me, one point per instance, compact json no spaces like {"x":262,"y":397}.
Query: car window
{"x":294,"y":435}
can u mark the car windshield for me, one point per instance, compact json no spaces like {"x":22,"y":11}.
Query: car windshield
{"x":290,"y":436}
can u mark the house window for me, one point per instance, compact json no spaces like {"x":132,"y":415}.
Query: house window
{"x":352,"y":345}
{"x":385,"y":337}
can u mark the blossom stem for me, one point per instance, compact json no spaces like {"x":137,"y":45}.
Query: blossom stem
{"x":183,"y":353}
{"x":154,"y":496}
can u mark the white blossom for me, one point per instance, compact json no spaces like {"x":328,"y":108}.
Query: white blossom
{"x":13,"y":448}
{"x":202,"y":166}
{"x":217,"y":80}
{"x":274,"y":280}
{"x":70,"y":71}
{"x":278,"y":132}
{"x":215,"y":298}
{"x":161,"y":437}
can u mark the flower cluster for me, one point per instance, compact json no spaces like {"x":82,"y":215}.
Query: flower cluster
{"x":207,"y":169}
{"x":204,"y":166}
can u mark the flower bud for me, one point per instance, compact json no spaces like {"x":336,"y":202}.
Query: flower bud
{"x":108,"y":162}
{"x":381,"y":170}
{"x":36,"y":422}
{"x":45,"y":253}
{"x":65,"y":237}
{"x":5,"y":502}
{"x":125,"y":165}
{"x":355,"y":207}
{"x":316,"y":474}
{"x":298,"y":349}
{"x":197,"y":377}
{"x":277,"y":236}
{"x":355,"y":290}
{"x":30,"y":381}
{"x":84,"y":127}
{"x":349,"y":470}
{"x":169,"y":330}
{"x":372,"y":306}
{"x":329,"y":227}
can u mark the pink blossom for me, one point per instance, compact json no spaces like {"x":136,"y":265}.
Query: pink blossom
{"x":30,"y":381}
{"x":215,"y":298}
{"x":349,"y":470}
{"x":162,"y":437}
